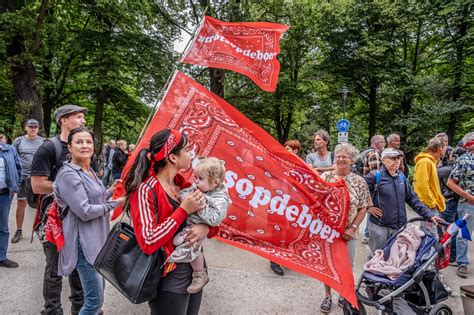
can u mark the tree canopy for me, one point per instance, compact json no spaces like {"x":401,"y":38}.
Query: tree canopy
{"x":408,"y":65}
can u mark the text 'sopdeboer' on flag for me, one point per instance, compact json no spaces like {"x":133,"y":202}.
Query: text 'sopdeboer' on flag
{"x":249,"y":48}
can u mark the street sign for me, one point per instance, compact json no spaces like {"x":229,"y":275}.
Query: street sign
{"x":342,"y":137}
{"x":343,"y":125}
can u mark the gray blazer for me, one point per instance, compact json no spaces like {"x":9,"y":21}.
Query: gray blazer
{"x":87,"y":220}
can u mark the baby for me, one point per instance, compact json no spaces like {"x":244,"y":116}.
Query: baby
{"x":209,"y":173}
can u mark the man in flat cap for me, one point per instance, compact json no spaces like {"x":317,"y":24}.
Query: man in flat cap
{"x":46,"y":163}
{"x":26,"y":147}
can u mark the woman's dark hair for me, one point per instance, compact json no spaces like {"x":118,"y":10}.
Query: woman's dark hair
{"x":140,"y":168}
{"x":77,"y":130}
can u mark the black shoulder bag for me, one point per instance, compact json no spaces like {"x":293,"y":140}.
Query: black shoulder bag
{"x":122,"y":262}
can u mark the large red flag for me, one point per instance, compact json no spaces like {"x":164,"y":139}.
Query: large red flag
{"x":281,"y":209}
{"x":248,"y":48}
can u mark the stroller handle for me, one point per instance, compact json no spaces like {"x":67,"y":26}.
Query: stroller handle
{"x":421,"y":219}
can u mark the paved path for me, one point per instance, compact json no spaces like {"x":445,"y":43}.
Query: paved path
{"x":241,"y":283}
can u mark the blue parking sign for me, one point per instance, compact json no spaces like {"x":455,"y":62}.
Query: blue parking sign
{"x":343,"y":125}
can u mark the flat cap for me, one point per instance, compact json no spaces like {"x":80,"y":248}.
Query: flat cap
{"x":391,"y":152}
{"x":67,"y":110}
{"x":32,"y":123}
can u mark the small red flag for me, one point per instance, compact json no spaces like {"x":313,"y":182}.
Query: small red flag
{"x":248,"y":48}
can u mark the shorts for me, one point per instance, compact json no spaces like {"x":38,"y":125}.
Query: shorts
{"x":21,"y":195}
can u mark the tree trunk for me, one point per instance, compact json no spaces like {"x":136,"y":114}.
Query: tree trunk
{"x":458,"y":68}
{"x":372,"y":107}
{"x":23,"y":78}
{"x":101,"y":95}
{"x":47,"y":97}
{"x":217,"y":81}
{"x":23,"y":72}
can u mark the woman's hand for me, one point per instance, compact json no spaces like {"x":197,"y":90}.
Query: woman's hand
{"x":193,"y":202}
{"x":376,"y":212}
{"x":350,"y":233}
{"x":121,"y":200}
{"x":196,"y":233}
{"x":114,"y":185}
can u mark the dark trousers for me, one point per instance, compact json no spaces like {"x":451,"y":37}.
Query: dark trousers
{"x":175,"y":304}
{"x":53,"y":284}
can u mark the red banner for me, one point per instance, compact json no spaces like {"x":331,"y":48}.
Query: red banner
{"x":247,"y":48}
{"x":281,"y":209}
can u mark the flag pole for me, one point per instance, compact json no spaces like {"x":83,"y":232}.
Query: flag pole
{"x":172,"y":75}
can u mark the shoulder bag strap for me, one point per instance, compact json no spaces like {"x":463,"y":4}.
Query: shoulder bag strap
{"x":155,"y":201}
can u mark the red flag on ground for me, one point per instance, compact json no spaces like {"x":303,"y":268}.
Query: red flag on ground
{"x":281,"y":209}
{"x":248,"y":48}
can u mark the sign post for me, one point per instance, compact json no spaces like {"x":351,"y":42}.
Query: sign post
{"x":343,"y":126}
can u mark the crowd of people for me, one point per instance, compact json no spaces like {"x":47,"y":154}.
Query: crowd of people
{"x":379,"y":187}
{"x":184,"y":214}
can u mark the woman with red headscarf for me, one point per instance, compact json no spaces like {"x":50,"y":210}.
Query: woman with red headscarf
{"x":156,"y":171}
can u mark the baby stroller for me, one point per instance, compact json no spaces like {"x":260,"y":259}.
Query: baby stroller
{"x":418,"y":289}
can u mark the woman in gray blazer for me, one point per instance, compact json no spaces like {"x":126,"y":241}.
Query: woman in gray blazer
{"x":79,"y":191}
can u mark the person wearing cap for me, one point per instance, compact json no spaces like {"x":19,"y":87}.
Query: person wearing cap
{"x":26,"y":147}
{"x":389,"y":194}
{"x":44,"y":169}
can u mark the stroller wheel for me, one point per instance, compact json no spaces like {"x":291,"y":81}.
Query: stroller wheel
{"x":347,"y":308}
{"x":441,"y":309}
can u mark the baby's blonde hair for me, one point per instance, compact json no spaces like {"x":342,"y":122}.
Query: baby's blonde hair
{"x":213,"y":168}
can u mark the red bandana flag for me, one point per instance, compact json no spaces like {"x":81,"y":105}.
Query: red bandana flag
{"x":280,"y":209}
{"x":248,"y":48}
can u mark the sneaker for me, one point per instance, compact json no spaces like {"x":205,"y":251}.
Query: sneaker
{"x":17,"y":237}
{"x":326,"y":305}
{"x":462,"y":271}
{"x":7,"y":263}
{"x":445,"y":285}
{"x":453,"y":263}
{"x":276,"y":268}
{"x":340,"y":301}
{"x":365,"y":240}
{"x":200,"y":279}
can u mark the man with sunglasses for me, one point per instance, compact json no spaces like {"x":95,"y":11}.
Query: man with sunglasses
{"x":390,"y":190}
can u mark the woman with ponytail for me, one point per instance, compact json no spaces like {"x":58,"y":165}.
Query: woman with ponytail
{"x":156,"y":172}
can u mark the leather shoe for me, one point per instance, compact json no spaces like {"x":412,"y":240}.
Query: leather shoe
{"x":7,"y":263}
{"x":277,"y":268}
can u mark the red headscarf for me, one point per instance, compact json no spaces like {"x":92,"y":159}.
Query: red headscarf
{"x":171,"y":143}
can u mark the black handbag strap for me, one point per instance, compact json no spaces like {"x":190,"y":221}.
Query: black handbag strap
{"x":155,"y":204}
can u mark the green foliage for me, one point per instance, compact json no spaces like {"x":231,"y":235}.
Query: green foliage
{"x":408,"y":64}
